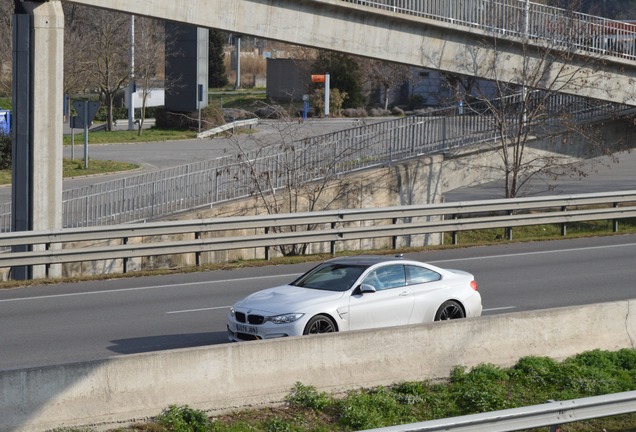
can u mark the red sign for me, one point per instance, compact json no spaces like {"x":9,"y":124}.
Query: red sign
{"x":317,"y":78}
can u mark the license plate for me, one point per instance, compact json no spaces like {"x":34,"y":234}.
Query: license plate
{"x":246,"y":329}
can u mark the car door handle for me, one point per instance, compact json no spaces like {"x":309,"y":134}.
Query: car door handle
{"x":405,"y":293}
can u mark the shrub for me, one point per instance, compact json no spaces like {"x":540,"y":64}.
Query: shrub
{"x":184,"y":419}
{"x":5,"y":150}
{"x":307,"y":397}
{"x":480,"y":390}
{"x":210,"y":117}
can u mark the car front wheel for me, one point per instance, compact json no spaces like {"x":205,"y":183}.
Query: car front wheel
{"x":449,"y":310}
{"x":319,"y":324}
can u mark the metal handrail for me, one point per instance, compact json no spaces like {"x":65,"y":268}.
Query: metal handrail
{"x":523,"y":20}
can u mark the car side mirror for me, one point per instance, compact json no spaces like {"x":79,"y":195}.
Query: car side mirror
{"x":366,"y":288}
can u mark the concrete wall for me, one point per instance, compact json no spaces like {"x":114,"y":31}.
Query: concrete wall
{"x":227,"y":377}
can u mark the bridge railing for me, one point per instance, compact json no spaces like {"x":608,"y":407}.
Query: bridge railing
{"x":326,"y":229}
{"x":521,"y":19}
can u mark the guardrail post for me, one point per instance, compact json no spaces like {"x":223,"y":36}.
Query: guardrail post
{"x":455,"y":232}
{"x":197,"y":255}
{"x":509,"y":229}
{"x":564,"y":228}
{"x":333,"y":242}
{"x":124,"y":263}
{"x":267,"y":252}
{"x":615,"y":221}
{"x":394,"y":239}
{"x":556,"y":427}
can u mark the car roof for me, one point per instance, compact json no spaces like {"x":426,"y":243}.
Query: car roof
{"x":366,"y":260}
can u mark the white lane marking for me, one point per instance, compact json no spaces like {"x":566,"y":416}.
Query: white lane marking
{"x":499,"y":308}
{"x":198,"y":310}
{"x":533,"y":253}
{"x":146,"y":288}
{"x":296,"y":274}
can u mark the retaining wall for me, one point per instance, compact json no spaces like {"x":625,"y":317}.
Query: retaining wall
{"x":231,"y":376}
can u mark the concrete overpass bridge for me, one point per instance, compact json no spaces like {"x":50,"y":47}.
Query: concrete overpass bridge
{"x":491,"y":39}
{"x":579,"y":54}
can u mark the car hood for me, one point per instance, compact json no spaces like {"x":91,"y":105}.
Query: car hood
{"x":287,"y":299}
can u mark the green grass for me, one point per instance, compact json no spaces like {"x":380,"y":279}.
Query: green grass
{"x":75,"y":168}
{"x":541,"y":232}
{"x":148,"y":135}
{"x":247,"y":102}
{"x":531,"y":381}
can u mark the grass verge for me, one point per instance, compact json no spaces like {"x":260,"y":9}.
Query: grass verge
{"x":75,"y":168}
{"x":148,"y":135}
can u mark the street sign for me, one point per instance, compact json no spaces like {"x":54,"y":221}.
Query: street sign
{"x":318,"y":78}
{"x":85,"y":113}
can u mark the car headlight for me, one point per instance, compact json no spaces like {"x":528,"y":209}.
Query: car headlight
{"x":286,"y":318}
{"x":232,"y":312}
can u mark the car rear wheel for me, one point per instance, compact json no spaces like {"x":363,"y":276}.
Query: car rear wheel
{"x":449,"y":310}
{"x":320,"y":324}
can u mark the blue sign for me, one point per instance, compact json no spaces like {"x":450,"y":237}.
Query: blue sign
{"x":5,"y":121}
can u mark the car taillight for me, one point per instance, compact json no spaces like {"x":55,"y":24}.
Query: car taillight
{"x":474,"y":286}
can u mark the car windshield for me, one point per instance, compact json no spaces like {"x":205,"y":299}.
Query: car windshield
{"x":330,"y":277}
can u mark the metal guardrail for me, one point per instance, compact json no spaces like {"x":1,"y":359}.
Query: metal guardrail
{"x":330,"y":227}
{"x":548,"y":414}
{"x":524,"y":19}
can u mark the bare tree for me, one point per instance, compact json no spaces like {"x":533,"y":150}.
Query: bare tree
{"x":75,"y":67}
{"x":533,"y":108}
{"x":102,"y":37}
{"x":6,"y":6}
{"x":149,"y":60}
{"x":288,"y":174}
{"x":385,"y":75}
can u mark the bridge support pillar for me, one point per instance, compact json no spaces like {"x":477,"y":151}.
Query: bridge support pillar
{"x":38,"y":105}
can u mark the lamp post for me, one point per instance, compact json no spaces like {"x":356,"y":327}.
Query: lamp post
{"x":131,"y":83}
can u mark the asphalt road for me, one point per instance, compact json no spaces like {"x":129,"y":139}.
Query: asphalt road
{"x":46,"y":325}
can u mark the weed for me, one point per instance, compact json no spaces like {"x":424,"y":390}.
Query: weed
{"x":184,"y":419}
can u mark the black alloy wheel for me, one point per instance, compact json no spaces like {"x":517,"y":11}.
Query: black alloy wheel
{"x":449,"y":310}
{"x":320,"y":324}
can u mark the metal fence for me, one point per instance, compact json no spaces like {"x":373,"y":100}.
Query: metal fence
{"x":524,"y":19}
{"x":151,"y":195}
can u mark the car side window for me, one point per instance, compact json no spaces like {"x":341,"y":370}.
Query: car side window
{"x":418,"y":275}
{"x":386,"y":277}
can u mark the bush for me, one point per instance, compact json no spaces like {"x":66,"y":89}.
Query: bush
{"x":307,"y":397}
{"x":482,"y":389}
{"x":211,"y":117}
{"x":397,"y":111}
{"x":184,"y":419}
{"x":5,"y":151}
{"x":355,"y":112}
{"x":379,"y":112}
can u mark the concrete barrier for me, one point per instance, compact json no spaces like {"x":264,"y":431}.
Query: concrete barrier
{"x":225,"y":377}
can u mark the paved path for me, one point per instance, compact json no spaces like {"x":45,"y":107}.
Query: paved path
{"x":604,"y":175}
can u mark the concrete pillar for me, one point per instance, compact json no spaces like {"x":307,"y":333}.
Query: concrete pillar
{"x":47,"y":107}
